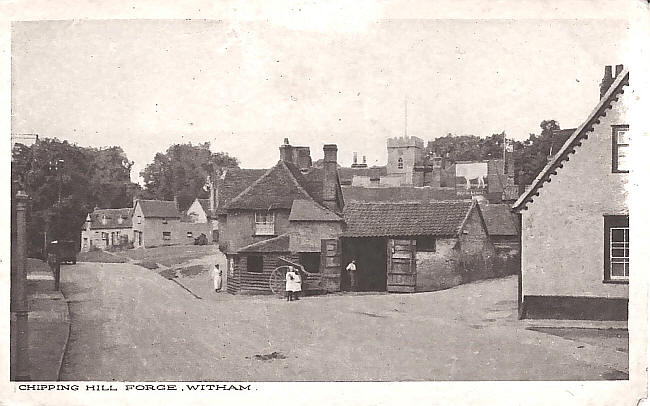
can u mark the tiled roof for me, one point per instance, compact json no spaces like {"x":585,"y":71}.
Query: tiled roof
{"x":279,"y":187}
{"x":159,"y":208}
{"x":442,"y":218}
{"x":308,"y":210}
{"x":112,"y":217}
{"x":574,"y":140}
{"x":397,"y":194}
{"x":276,"y":244}
{"x":232,"y":182}
{"x":499,"y":220}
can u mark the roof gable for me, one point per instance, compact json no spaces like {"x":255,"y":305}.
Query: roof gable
{"x":232,"y":182}
{"x":158,"y":208}
{"x":276,"y":189}
{"x":442,"y":218}
{"x":574,"y":141}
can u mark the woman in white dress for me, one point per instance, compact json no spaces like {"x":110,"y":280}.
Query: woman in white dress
{"x":293,"y":284}
{"x":216,"y":278}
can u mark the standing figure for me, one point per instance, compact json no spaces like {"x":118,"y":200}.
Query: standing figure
{"x":352,"y":271}
{"x":54,"y":261}
{"x":297,"y":284}
{"x":290,"y":277}
{"x":216,"y":278}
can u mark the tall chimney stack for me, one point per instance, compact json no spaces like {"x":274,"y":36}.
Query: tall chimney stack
{"x":354,"y":159}
{"x":607,"y":81}
{"x":286,"y":151}
{"x":331,"y":176}
{"x":619,"y":69}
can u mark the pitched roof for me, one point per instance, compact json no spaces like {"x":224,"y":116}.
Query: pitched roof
{"x":308,"y":210}
{"x":278,"y":187}
{"x":442,"y":218}
{"x":205,"y":205}
{"x":159,"y":208}
{"x":499,"y":220}
{"x":276,"y":244}
{"x":397,"y":194}
{"x":112,"y":218}
{"x":573,"y":142}
{"x":232,"y":182}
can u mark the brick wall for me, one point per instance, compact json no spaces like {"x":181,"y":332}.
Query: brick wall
{"x":237,"y":229}
{"x":438,"y":270}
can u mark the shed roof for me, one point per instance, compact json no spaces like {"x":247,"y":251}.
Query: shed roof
{"x":442,"y":218}
{"x":275,"y":244}
{"x":308,"y":210}
{"x":574,"y":140}
{"x":112,"y":218}
{"x":499,"y":220}
{"x":159,"y":208}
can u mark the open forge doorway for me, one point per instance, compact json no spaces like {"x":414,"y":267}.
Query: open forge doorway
{"x":370,"y":254}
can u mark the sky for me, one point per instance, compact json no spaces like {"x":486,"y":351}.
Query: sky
{"x":244,"y":86}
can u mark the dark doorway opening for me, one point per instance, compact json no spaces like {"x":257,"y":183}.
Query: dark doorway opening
{"x":370,"y":254}
{"x":310,"y":261}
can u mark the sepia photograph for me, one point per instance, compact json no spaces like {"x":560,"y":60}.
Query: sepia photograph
{"x":211,"y":204}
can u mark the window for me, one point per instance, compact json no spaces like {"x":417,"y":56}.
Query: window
{"x":139,"y":219}
{"x":167,"y":235}
{"x":255,"y":263}
{"x":426,"y":244}
{"x":103,"y":219}
{"x":400,"y":163}
{"x":617,"y":248}
{"x":120,"y":220}
{"x":620,"y":148}
{"x":189,"y":234}
{"x":264,"y":223}
{"x":85,"y":241}
{"x":164,"y":220}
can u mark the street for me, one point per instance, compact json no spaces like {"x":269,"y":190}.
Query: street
{"x":129,"y":323}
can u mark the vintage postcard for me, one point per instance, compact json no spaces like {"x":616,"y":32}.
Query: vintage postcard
{"x":330,"y":203}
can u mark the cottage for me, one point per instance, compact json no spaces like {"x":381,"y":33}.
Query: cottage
{"x":291,"y":210}
{"x":417,"y":246}
{"x":575,"y":220}
{"x":106,"y":228}
{"x":502,"y":228}
{"x":158,"y":222}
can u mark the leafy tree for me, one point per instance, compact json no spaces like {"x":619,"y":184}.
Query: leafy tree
{"x":181,"y":172}
{"x":65,"y":182}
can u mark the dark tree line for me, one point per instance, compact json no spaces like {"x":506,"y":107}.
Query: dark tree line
{"x":64,"y":182}
{"x":530,"y":156}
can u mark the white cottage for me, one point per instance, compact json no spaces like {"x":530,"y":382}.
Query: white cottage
{"x":575,"y":220}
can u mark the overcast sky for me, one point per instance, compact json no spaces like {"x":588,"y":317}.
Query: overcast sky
{"x":244,"y":86}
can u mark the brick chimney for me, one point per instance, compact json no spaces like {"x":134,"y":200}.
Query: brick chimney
{"x":301,"y":157}
{"x":176,"y":203}
{"x":330,"y":177}
{"x":608,"y":79}
{"x":286,"y":151}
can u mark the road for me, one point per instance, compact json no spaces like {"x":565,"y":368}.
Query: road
{"x":129,"y":323}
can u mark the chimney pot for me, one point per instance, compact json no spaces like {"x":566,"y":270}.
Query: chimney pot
{"x":286,"y":151}
{"x":364,"y":160}
{"x":619,"y":69}
{"x":607,"y":81}
{"x":286,"y":141}
{"x":354,"y":158}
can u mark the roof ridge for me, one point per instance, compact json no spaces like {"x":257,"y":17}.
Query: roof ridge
{"x":586,"y":126}
{"x":295,"y":181}
{"x":266,"y":174}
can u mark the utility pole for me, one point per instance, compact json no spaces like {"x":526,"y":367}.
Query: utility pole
{"x":19,"y":305}
{"x":58,"y":163}
{"x":405,"y":118}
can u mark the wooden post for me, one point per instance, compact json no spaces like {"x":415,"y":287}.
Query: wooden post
{"x":19,"y":305}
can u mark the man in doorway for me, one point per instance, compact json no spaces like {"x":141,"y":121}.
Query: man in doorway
{"x":352,"y":271}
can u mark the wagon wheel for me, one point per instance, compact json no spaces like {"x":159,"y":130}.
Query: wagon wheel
{"x":277,"y":282}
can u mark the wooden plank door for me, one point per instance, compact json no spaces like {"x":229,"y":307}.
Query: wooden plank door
{"x":330,"y":264}
{"x":401,"y":272}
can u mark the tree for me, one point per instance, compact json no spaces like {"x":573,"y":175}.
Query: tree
{"x":65,"y":182}
{"x":531,"y":155}
{"x":181,"y":172}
